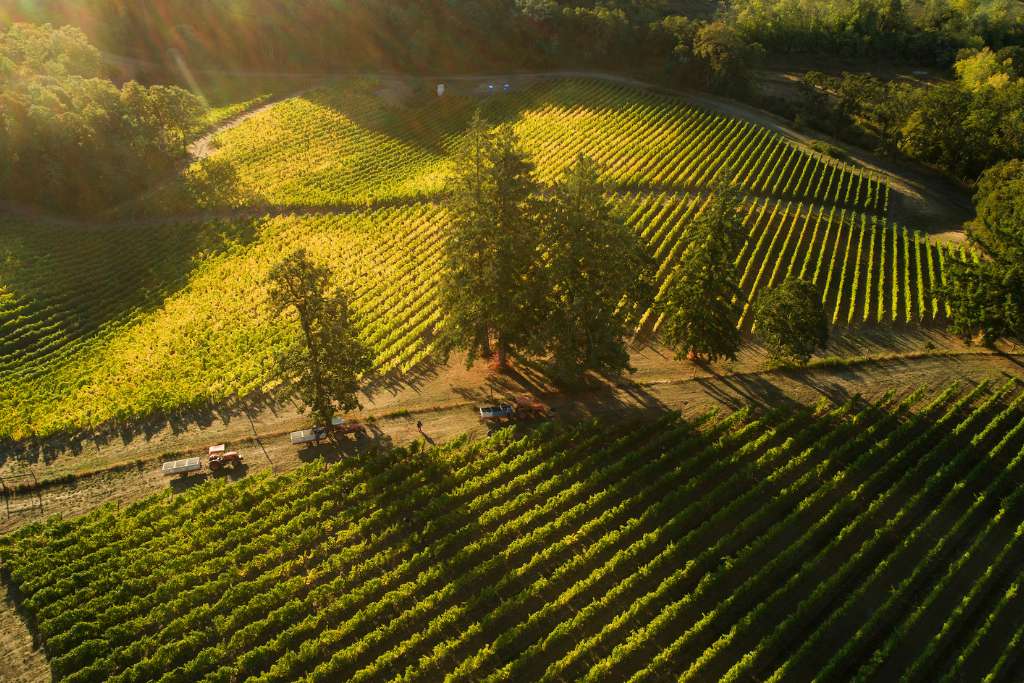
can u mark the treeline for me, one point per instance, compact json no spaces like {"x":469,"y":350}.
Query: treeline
{"x":71,"y":140}
{"x":962,"y":126}
{"x":434,"y":36}
{"x":428,"y":37}
{"x":922,"y":31}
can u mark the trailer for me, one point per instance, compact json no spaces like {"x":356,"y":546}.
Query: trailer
{"x":499,"y":411}
{"x":304,"y":436}
{"x":339,"y":427}
{"x":182,"y":467}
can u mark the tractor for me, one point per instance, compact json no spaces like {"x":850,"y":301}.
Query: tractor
{"x":218,"y":458}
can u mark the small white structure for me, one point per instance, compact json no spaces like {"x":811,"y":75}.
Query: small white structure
{"x":440,"y":89}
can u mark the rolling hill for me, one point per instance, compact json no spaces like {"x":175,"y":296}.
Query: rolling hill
{"x":165,"y":311}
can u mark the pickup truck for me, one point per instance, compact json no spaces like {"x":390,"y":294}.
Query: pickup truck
{"x":524,"y":407}
{"x":339,"y":426}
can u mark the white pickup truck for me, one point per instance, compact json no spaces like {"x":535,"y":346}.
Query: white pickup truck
{"x":339,"y":426}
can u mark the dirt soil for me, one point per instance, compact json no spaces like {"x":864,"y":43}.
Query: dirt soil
{"x":20,"y":660}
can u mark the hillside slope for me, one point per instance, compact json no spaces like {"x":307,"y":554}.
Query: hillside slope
{"x":102,"y":326}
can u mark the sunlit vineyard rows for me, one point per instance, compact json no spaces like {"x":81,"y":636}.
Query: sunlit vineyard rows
{"x":867,"y":270}
{"x":858,"y":541}
{"x":104,"y":325}
{"x":88,"y":344}
{"x":347,"y":145}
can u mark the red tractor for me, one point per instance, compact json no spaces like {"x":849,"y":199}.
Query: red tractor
{"x":347,"y":427}
{"x":529,"y":407}
{"x":218,"y":458}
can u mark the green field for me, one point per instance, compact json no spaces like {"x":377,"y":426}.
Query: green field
{"x":849,"y":542}
{"x":104,"y":325}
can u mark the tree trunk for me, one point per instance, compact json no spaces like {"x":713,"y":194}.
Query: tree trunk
{"x":485,"y":344}
{"x":501,"y":361}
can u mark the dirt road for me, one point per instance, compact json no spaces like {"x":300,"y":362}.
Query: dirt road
{"x":445,"y":404}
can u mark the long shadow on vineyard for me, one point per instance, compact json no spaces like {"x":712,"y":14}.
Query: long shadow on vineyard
{"x":81,"y":280}
{"x":426,"y":121}
{"x":422,"y":123}
{"x":34,"y":451}
{"x":736,"y":391}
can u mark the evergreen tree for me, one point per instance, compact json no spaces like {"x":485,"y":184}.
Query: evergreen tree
{"x":703,"y":301}
{"x":489,"y":287}
{"x":327,"y":367}
{"x":593,"y":264}
{"x":791,"y":321}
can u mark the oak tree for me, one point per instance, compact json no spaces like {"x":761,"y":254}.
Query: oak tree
{"x":986,"y":296}
{"x":790,"y":319}
{"x":326,"y":366}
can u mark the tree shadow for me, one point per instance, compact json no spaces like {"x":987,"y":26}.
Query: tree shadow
{"x":349,"y":446}
{"x":396,"y":381}
{"x":182,"y":484}
{"x":231,"y":472}
{"x":35,"y":450}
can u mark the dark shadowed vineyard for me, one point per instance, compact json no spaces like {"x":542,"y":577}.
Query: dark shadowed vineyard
{"x":856,"y":541}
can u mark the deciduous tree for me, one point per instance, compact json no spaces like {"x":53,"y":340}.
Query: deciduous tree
{"x":987,"y":297}
{"x":70,"y":139}
{"x":326,"y":367}
{"x":791,"y":321}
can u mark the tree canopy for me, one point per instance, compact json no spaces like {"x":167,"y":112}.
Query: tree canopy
{"x":324,"y":370}
{"x":987,"y":296}
{"x":72,"y":141}
{"x":791,"y":321}
{"x":593,"y":264}
{"x":702,"y":303}
{"x":962,"y":126}
{"x":488,"y":288}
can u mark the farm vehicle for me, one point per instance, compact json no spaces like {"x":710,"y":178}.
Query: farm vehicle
{"x":339,"y":427}
{"x":522,"y":408}
{"x":217,"y":458}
